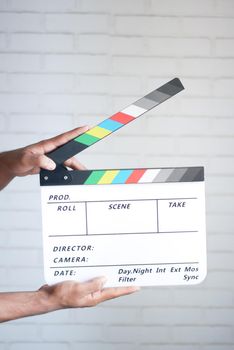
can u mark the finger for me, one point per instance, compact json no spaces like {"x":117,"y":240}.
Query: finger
{"x":45,"y":162}
{"x":92,"y":286}
{"x":31,"y":163}
{"x":112,"y":293}
{"x":74,"y":164}
{"x":50,"y":144}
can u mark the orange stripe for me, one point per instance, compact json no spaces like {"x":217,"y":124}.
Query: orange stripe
{"x":135,"y":176}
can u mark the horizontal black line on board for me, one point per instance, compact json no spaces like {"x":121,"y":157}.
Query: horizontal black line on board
{"x":124,"y":233}
{"x":149,"y":264}
{"x":124,"y":200}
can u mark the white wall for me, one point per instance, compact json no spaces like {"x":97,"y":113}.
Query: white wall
{"x":65,"y":63}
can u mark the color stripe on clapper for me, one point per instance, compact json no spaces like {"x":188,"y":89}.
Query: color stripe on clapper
{"x":134,"y":176}
{"x":116,"y":121}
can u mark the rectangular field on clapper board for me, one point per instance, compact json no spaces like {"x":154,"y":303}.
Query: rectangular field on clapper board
{"x":141,"y":227}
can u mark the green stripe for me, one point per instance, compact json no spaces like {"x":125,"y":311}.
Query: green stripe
{"x":94,"y":177}
{"x":86,"y":139}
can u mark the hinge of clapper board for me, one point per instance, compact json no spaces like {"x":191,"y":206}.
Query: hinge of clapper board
{"x":61,"y":175}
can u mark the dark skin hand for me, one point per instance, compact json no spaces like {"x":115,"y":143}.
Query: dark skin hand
{"x":69,"y":294}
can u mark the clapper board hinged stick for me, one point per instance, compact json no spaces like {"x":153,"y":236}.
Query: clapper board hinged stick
{"x":136,"y":226}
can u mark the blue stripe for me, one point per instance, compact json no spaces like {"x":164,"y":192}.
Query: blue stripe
{"x":122,"y":176}
{"x":111,"y":125}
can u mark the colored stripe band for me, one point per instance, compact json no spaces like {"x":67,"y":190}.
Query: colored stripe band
{"x":122,"y":176}
{"x":117,"y":120}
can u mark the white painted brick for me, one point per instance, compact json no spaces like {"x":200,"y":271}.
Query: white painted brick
{"x":176,"y":126}
{"x":224,"y":7}
{"x":3,"y":82}
{"x":3,"y":274}
{"x":90,"y":43}
{"x":20,"y":220}
{"x":221,"y":242}
{"x":130,"y":7}
{"x":45,"y":123}
{"x":63,"y":316}
{"x":21,"y":184}
{"x":19,"y":62}
{"x":108,"y":84}
{"x":17,"y":332}
{"x":121,"y":7}
{"x":18,"y":103}
{"x":203,"y":298}
{"x":206,"y":107}
{"x":2,"y":123}
{"x":25,"y":277}
{"x":142,"y":25}
{"x":208,"y":27}
{"x":103,"y":346}
{"x":207,"y":145}
{"x":203,"y":334}
{"x":125,"y":86}
{"x":90,"y":64}
{"x":220,"y":204}
{"x":74,"y":23}
{"x":144,"y":65}
{"x":220,"y":223}
{"x":169,"y":347}
{"x":181,"y":47}
{"x":197,"y":87}
{"x":41,"y":42}
{"x":108,"y":315}
{"x":19,"y":201}
{"x":19,"y":257}
{"x":183,"y":7}
{"x":220,"y":184}
{"x":8,"y":142}
{"x":222,"y":165}
{"x":2,"y":41}
{"x":220,"y":279}
{"x":21,"y":22}
{"x":224,"y":47}
{"x":4,"y":238}
{"x":221,"y":261}
{"x":41,"y":82}
{"x":156,"y":334}
{"x":94,"y":6}
{"x":106,"y":161}
{"x":74,"y":103}
{"x":224,"y":87}
{"x":25,"y":239}
{"x":93,"y":84}
{"x":145,"y":297}
{"x":130,"y":145}
{"x":72,"y":332}
{"x":4,"y":5}
{"x":121,"y":45}
{"x":43,"y":5}
{"x":219,"y":347}
{"x":206,"y":67}
{"x":172,"y":316}
{"x":39,"y":346}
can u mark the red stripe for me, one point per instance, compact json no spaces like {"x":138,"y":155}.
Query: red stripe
{"x":122,"y":118}
{"x":135,"y":176}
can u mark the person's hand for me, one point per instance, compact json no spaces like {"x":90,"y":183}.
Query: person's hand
{"x":30,"y":159}
{"x":64,"y":295}
{"x":70,"y":294}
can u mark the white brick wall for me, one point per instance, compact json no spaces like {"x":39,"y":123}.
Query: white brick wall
{"x":65,"y":63}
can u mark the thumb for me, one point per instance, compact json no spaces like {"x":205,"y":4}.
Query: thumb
{"x":45,"y":162}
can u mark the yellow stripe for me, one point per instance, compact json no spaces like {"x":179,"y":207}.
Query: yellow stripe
{"x":108,"y":177}
{"x":98,"y":132}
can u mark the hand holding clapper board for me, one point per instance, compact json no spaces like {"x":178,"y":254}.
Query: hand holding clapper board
{"x":134,"y":226}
